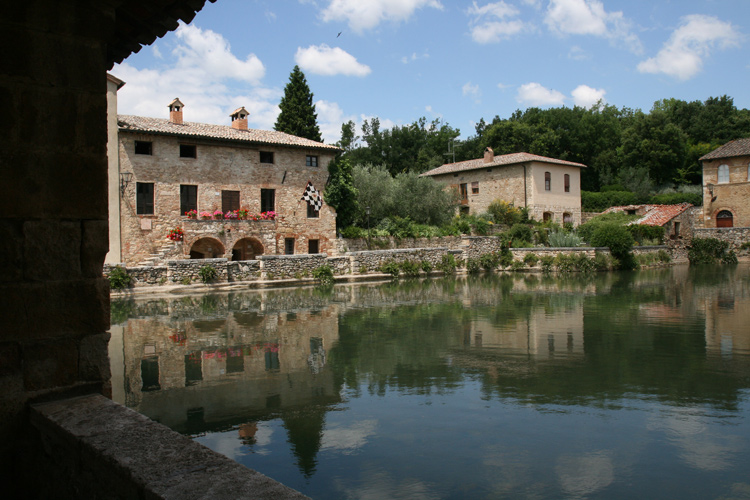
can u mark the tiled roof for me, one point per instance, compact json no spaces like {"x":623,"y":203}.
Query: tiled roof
{"x":656,"y":215}
{"x":129,"y":123}
{"x":739,"y":147}
{"x":499,"y":161}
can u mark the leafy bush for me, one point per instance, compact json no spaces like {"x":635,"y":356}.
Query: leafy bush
{"x":677,"y":198}
{"x":560,"y":239}
{"x":602,"y":262}
{"x":598,"y":202}
{"x":448,"y":264}
{"x":517,"y":265}
{"x":614,"y":236}
{"x":530,"y":259}
{"x":324,"y":274}
{"x":473,"y":266}
{"x":643,"y":233}
{"x":565,"y":263}
{"x":586,"y":230}
{"x":208,"y":274}
{"x":505,"y":258}
{"x":489,"y":261}
{"x":664,"y":256}
{"x":410,"y":268}
{"x":583,"y":263}
{"x":505,"y":213}
{"x":547,"y":262}
{"x":426,"y":266}
{"x":710,"y":251}
{"x":119,"y":278}
{"x":391,"y":267}
{"x":353,"y":232}
{"x":520,"y":235}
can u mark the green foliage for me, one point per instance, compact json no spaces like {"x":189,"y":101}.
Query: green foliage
{"x":340,"y":192}
{"x":473,"y":265}
{"x":565,"y":263}
{"x":586,"y":230}
{"x":324,"y":274}
{"x":297,"y":112}
{"x":448,"y":264}
{"x":710,"y":251}
{"x":489,"y":261}
{"x":520,"y":235}
{"x":602,"y":262}
{"x":517,"y":265}
{"x":505,"y":258}
{"x":426,"y":266}
{"x":530,"y":259}
{"x":583,"y":263}
{"x":676,"y":198}
{"x":186,"y":280}
{"x":504,"y":213}
{"x":208,"y":274}
{"x":119,"y":278}
{"x":547,"y":261}
{"x":664,"y":256}
{"x":644,"y":234}
{"x":616,"y":237}
{"x":410,"y":268}
{"x":598,"y":202}
{"x":560,"y":239}
{"x":391,"y":267}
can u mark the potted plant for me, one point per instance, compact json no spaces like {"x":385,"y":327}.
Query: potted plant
{"x":242,"y":213}
{"x":205,"y":215}
{"x":191,"y":214}
{"x":218,"y":214}
{"x":176,"y":234}
{"x":231,"y":214}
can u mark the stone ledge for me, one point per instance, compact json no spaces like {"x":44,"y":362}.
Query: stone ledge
{"x":104,"y":447}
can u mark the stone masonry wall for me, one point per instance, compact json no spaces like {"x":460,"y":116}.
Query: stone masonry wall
{"x":732,"y":196}
{"x":735,"y":236}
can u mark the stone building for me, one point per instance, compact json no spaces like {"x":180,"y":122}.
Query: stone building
{"x":169,"y":167}
{"x":549,"y":188}
{"x":726,"y":185}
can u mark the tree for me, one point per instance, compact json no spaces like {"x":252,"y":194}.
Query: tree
{"x":298,"y":115}
{"x":340,"y":192}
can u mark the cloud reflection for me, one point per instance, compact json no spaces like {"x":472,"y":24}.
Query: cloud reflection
{"x":348,"y":439}
{"x":583,"y":475}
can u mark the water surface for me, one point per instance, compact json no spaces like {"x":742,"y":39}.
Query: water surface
{"x":622,"y":385}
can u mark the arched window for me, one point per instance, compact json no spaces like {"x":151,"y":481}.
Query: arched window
{"x":724,"y":219}
{"x":567,"y":218}
{"x":547,"y":181}
{"x":723,"y":174}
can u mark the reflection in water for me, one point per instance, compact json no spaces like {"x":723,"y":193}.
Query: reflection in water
{"x":619,"y":385}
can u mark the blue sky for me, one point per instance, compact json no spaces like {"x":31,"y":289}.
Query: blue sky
{"x":457,"y":61}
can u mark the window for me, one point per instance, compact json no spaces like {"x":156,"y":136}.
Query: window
{"x":567,"y":183}
{"x":312,"y":246}
{"x":266,"y":157}
{"x":230,"y":200}
{"x":311,"y":212}
{"x":188,"y":151}
{"x":144,"y":198}
{"x":547,"y":181}
{"x":547,"y":216}
{"x":188,"y":198}
{"x":267,"y":200}
{"x":463,"y":189}
{"x":474,"y":188}
{"x":723,"y":174}
{"x":676,"y":229}
{"x":311,"y":161}
{"x":289,"y":246}
{"x":567,"y":218}
{"x":143,"y":148}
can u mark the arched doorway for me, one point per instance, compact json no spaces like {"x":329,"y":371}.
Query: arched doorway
{"x":547,"y":216}
{"x":207,"y":248}
{"x":247,"y":249}
{"x":724,"y":219}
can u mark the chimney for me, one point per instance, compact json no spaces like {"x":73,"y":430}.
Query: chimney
{"x":175,"y":111}
{"x":239,"y":119}
{"x":489,"y":155}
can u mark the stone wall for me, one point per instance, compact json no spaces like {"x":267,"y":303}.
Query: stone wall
{"x":389,"y":242}
{"x":371,"y":261}
{"x":735,"y":236}
{"x":732,"y":196}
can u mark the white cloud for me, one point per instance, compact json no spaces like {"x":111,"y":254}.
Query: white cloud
{"x":329,"y":61}
{"x":413,"y":57}
{"x":201,"y":71}
{"x":578,"y":54}
{"x":588,"y":17}
{"x":330,"y":118}
{"x":586,"y":97}
{"x":471,"y":90}
{"x":683,"y":54}
{"x":348,"y":439}
{"x":535,"y":94}
{"x":491,"y":23}
{"x":363,"y":15}
{"x":210,"y":52}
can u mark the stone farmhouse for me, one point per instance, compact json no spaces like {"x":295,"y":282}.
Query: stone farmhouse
{"x":677,"y":220}
{"x":726,"y":185}
{"x":549,"y":188}
{"x":221,"y":191}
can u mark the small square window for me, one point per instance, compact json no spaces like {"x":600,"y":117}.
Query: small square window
{"x":188,"y":151}
{"x":143,"y":148}
{"x":266,"y":157}
{"x":311,"y":161}
{"x":312,"y":246}
{"x":311,"y":212}
{"x":289,"y":246}
{"x":474,"y":188}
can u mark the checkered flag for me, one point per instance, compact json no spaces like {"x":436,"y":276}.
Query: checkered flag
{"x":312,"y":197}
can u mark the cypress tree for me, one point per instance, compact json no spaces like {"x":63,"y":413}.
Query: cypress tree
{"x":298,"y":115}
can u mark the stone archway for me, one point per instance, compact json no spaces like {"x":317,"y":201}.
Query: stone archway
{"x":724,"y":219}
{"x":247,"y":249}
{"x":207,"y":248}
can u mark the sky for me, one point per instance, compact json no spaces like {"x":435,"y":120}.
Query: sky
{"x":455,"y":61}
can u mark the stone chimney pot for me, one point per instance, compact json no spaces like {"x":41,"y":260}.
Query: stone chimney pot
{"x":175,"y":111}
{"x":239,"y":118}
{"x":489,"y":155}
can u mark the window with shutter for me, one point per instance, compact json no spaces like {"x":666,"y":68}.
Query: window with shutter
{"x":144,"y":198}
{"x":188,"y":198}
{"x":230,"y":200}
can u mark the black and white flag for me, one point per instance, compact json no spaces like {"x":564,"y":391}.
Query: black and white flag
{"x":312,"y":197}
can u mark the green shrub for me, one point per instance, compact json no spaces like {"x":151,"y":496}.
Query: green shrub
{"x":519,"y":234}
{"x":489,"y":261}
{"x":186,"y":280}
{"x":517,"y":265}
{"x":676,"y":198}
{"x":586,"y":230}
{"x":505,"y":213}
{"x":410,"y":268}
{"x":602,"y":262}
{"x":530,"y":259}
{"x":353,"y":232}
{"x":644,"y":234}
{"x":598,"y":202}
{"x":505,"y":258}
{"x":547,"y":262}
{"x":559,"y":239}
{"x":119,"y":278}
{"x":565,"y":263}
{"x":391,"y":267}
{"x":426,"y":266}
{"x":324,"y":274}
{"x":448,"y":264}
{"x":664,"y":256}
{"x":614,"y":236}
{"x":710,"y":251}
{"x":583,"y":263}
{"x":208,"y":274}
{"x":473,"y":266}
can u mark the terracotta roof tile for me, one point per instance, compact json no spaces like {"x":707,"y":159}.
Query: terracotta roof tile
{"x":129,"y":123}
{"x":499,"y":161}
{"x":739,"y":147}
{"x":656,"y":215}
